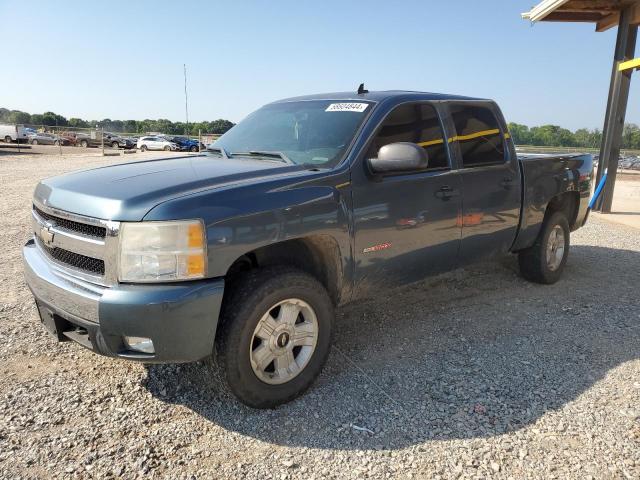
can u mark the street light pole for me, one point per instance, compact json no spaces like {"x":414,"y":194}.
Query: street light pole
{"x":186,"y":104}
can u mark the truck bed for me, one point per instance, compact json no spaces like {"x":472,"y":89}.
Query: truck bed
{"x":544,"y":176}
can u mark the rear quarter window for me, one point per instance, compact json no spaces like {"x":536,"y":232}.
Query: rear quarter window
{"x":478,"y":135}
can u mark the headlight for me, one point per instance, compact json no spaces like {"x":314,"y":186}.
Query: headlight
{"x":162,"y":251}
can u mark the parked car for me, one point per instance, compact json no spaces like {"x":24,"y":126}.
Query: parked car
{"x":13,"y":133}
{"x":47,"y":139}
{"x":71,"y":137}
{"x":186,"y":144}
{"x":308,"y":203}
{"x":123,"y":142}
{"x":110,"y":140}
{"x":156,"y":143}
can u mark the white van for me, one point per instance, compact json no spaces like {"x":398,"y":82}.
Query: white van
{"x":13,"y":133}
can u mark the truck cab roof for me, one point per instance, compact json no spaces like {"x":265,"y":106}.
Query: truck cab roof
{"x":380,"y":96}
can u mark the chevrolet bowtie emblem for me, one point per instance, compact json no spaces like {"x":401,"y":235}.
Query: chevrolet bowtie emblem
{"x":46,"y":235}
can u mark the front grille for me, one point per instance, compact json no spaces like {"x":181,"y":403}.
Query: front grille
{"x":82,"y":228}
{"x":75,"y":260}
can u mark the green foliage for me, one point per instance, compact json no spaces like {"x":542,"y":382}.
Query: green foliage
{"x":50,"y":118}
{"x":78,"y":123}
{"x":554,"y":136}
{"x":520,"y":134}
{"x":129,"y":126}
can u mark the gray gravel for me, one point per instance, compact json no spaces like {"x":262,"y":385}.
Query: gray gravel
{"x":474,"y":374}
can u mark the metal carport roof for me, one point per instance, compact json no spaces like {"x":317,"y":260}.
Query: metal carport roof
{"x":604,"y":13}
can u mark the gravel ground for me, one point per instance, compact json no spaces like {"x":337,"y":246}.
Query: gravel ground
{"x":473,"y":374}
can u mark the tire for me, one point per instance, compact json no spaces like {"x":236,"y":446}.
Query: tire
{"x":143,"y":148}
{"x":84,"y":143}
{"x":57,"y":143}
{"x":34,"y":142}
{"x":167,"y":148}
{"x":7,"y":139}
{"x":542,"y":262}
{"x":194,"y":148}
{"x":252,"y":299}
{"x":115,"y":145}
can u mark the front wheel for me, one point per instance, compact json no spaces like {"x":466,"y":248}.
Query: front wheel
{"x":544,"y":261}
{"x":194,"y":148}
{"x":84,"y":144}
{"x":143,"y":148}
{"x":276,"y":333}
{"x":115,"y":145}
{"x":7,"y":139}
{"x":34,"y":142}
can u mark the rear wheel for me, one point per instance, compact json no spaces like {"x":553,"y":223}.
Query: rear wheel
{"x":7,"y":139}
{"x":166,"y":148}
{"x":544,"y":261}
{"x":34,"y":142}
{"x":194,"y":148}
{"x":115,"y":145}
{"x":275,"y":337}
{"x":57,"y":143}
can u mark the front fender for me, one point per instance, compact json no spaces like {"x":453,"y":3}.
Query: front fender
{"x":244,"y":219}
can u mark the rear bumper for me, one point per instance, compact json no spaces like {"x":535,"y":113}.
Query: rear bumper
{"x":180,"y":318}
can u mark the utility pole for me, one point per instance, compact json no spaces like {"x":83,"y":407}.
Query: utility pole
{"x":186,"y":104}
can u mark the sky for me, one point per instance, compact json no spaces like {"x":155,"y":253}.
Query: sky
{"x":124,"y":61}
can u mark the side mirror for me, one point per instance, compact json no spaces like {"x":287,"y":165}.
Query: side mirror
{"x":399,"y":157}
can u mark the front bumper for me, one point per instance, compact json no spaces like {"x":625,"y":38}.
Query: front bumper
{"x":180,"y":318}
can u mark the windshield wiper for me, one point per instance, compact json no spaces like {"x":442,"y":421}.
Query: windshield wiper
{"x":265,"y":153}
{"x":221,"y":150}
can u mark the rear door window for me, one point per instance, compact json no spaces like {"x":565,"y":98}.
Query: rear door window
{"x":478,"y":135}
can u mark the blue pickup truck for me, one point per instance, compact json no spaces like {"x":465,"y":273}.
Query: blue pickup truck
{"x":242,"y":253}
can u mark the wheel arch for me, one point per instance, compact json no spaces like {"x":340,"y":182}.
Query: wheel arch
{"x":318,"y":255}
{"x":567,"y":203}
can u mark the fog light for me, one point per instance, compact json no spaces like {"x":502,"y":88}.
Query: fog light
{"x":139,"y":344}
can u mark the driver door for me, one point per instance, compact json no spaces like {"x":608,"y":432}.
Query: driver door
{"x":406,"y":224}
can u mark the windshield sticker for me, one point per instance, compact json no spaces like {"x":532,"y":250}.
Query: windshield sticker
{"x":347,"y":107}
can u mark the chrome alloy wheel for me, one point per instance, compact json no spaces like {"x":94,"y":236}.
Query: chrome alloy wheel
{"x":555,"y":248}
{"x":284,"y":341}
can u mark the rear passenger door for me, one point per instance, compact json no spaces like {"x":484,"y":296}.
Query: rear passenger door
{"x":490,"y":176}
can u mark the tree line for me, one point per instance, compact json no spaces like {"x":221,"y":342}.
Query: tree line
{"x":555,"y":136}
{"x":545,"y":135}
{"x":163,"y":125}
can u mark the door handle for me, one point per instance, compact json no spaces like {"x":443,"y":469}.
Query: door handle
{"x":446,"y":192}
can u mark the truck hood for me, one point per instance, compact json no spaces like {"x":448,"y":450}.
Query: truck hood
{"x":126,"y":192}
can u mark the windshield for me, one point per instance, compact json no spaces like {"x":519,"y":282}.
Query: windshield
{"x":315,"y":132}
